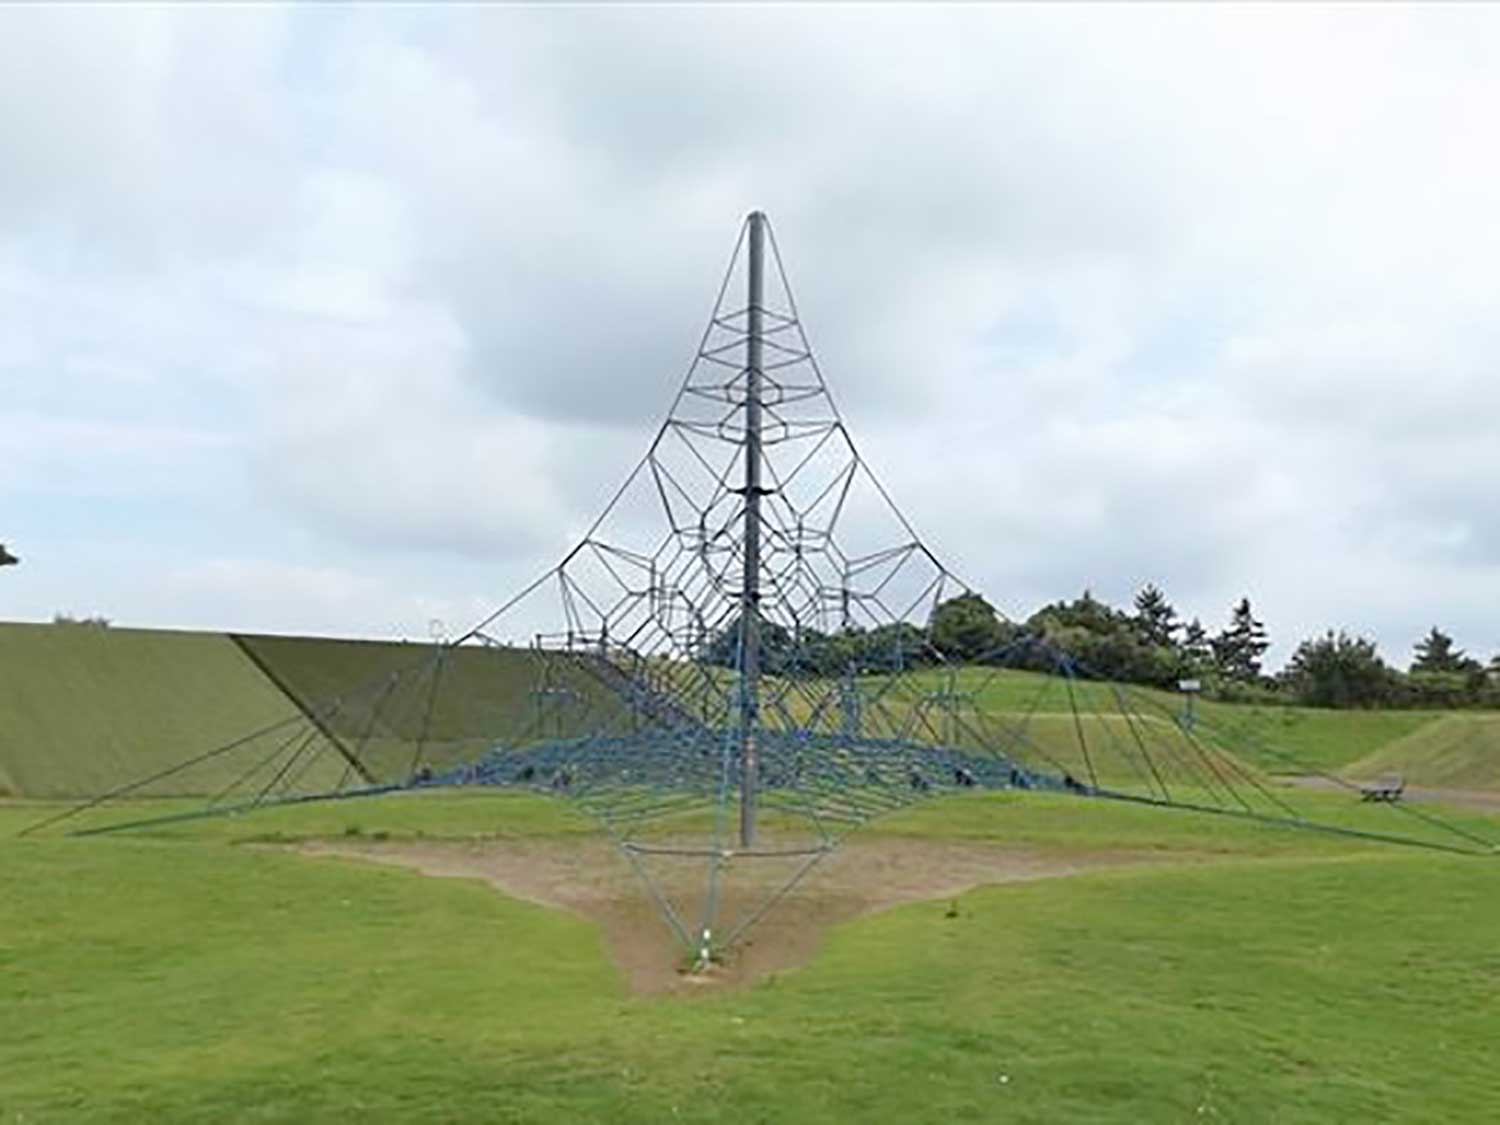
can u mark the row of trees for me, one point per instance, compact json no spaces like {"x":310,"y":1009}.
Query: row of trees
{"x":1340,"y":670}
{"x":827,"y":654}
{"x":1149,"y":644}
{"x":1146,"y":644}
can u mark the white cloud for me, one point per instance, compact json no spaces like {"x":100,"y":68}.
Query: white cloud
{"x":1200,"y":296}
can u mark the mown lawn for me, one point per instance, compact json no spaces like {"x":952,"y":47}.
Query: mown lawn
{"x":1276,"y":977}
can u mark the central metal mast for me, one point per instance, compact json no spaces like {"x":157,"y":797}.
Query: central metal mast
{"x":750,"y":590}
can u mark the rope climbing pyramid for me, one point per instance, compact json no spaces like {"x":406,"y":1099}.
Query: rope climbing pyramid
{"x":740,"y":669}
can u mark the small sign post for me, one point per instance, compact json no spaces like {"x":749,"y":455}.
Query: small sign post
{"x":1189,"y":689}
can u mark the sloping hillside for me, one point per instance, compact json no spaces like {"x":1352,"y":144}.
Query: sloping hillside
{"x":1457,"y":751}
{"x":1273,"y":739}
{"x":401,"y":703}
{"x":84,"y":709}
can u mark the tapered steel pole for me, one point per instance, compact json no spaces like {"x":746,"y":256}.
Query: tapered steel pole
{"x":750,"y":591}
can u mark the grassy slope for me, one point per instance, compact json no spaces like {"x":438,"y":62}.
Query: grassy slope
{"x":183,"y":980}
{"x":394,"y":695}
{"x":317,"y":669}
{"x":85,"y":709}
{"x":1457,"y":751}
{"x":1307,"y":739}
{"x":1276,"y":739}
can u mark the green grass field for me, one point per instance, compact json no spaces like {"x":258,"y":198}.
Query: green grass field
{"x":1272,"y":976}
{"x":189,"y":972}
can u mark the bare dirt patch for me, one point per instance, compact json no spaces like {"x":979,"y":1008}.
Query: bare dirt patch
{"x":592,"y":879}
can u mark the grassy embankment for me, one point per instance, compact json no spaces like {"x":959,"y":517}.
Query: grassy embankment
{"x":1275,"y":739}
{"x":83,"y":709}
{"x":1460,"y":751}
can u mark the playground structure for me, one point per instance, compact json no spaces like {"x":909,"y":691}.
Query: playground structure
{"x":740,"y":670}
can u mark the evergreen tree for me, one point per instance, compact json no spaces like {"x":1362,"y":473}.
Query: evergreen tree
{"x":1238,"y":649}
{"x":1155,"y":619}
{"x":1435,"y":653}
{"x":1197,"y":649}
{"x":1195,"y":643}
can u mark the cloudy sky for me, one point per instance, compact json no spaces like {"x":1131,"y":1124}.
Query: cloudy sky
{"x":344,"y":320}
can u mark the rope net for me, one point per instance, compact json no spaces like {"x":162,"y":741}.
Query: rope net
{"x":635,"y":701}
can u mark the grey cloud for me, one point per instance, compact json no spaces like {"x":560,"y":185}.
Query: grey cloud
{"x":1193,"y":296}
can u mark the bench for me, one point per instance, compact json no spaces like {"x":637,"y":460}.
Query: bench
{"x":1388,"y":788}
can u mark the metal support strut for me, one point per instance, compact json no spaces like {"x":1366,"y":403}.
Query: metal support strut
{"x":750,"y":591}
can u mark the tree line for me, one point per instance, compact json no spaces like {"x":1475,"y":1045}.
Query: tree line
{"x":1150,"y":644}
{"x":1146,"y":644}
